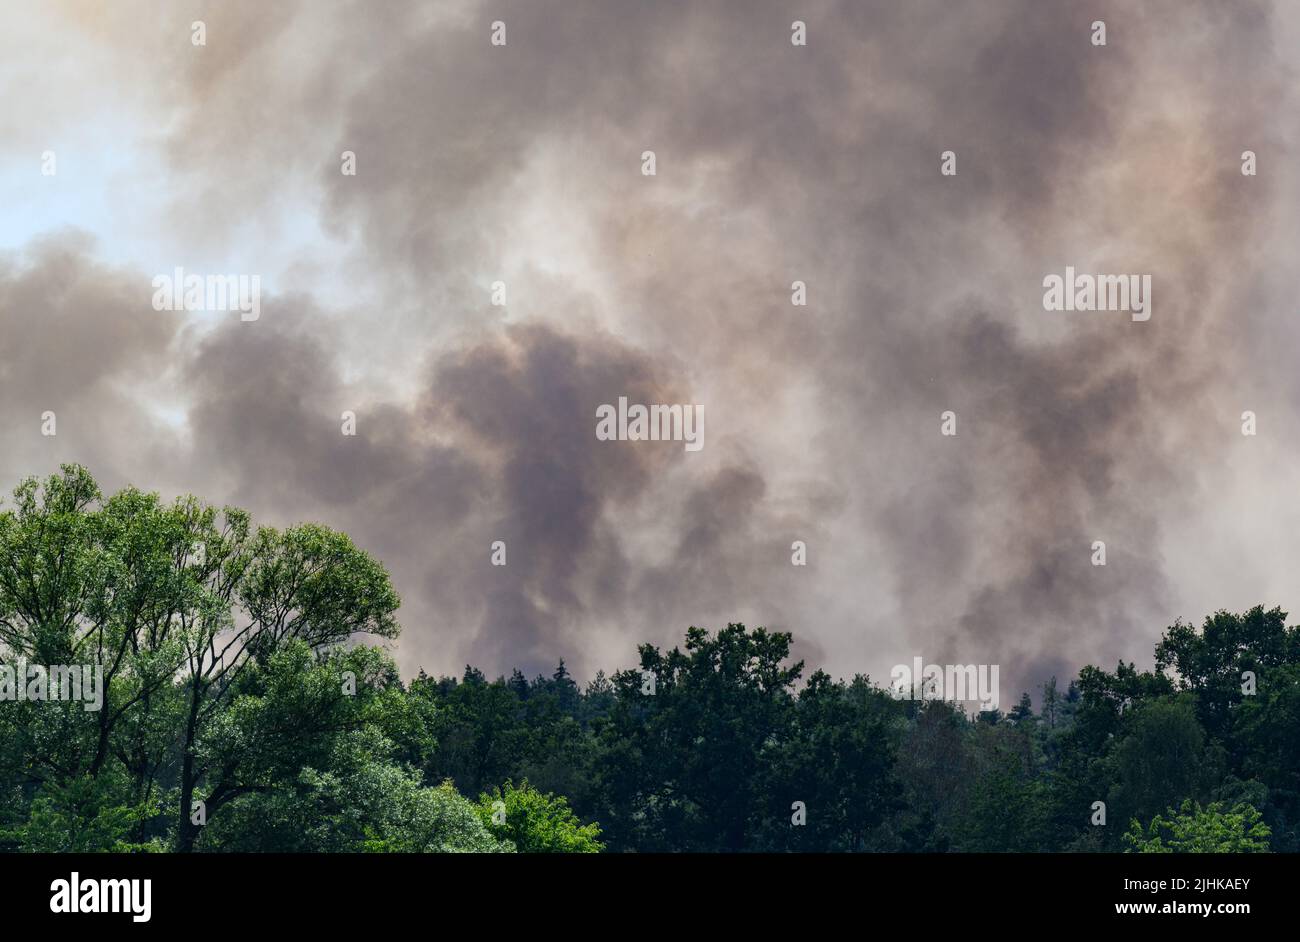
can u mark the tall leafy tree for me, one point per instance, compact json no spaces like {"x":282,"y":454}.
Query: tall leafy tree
{"x":687,"y":746}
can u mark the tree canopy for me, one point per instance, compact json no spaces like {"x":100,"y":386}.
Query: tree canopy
{"x":247,"y":704}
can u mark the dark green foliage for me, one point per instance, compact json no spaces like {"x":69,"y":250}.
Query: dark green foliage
{"x":235,"y":677}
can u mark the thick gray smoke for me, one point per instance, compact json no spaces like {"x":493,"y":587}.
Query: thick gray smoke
{"x":775,"y":163}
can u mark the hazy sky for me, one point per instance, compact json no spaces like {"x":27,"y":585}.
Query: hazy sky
{"x":522,"y":163}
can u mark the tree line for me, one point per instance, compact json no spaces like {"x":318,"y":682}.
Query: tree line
{"x":243,"y":710}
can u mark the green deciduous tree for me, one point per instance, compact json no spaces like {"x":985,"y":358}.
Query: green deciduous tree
{"x":684,"y":762}
{"x":1195,"y":830}
{"x":221,"y":648}
{"x":536,"y":823}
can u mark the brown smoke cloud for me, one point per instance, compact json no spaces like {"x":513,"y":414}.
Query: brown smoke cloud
{"x":775,"y":163}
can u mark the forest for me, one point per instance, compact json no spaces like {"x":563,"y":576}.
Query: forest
{"x":247,"y":704}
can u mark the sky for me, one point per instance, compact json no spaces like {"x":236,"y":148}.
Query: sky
{"x":522,"y":163}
